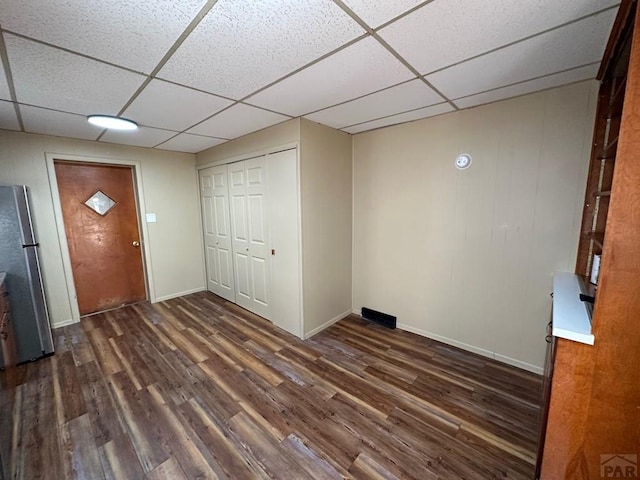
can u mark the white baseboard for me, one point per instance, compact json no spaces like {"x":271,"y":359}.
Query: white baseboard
{"x":63,"y":323}
{"x":517,"y":363}
{"x":471,"y":348}
{"x":179,"y":294}
{"x":326,"y":324}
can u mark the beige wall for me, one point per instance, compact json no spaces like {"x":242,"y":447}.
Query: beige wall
{"x":468,"y":256}
{"x":170,"y":191}
{"x":278,"y":135}
{"x":326,"y":189}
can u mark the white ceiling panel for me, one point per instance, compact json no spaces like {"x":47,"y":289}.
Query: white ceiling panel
{"x":377,"y":12}
{"x":575,"y":75}
{"x":142,"y":137}
{"x":360,"y":69}
{"x":575,"y":45}
{"x":237,"y":121}
{"x":166,"y":105}
{"x":445,"y":32}
{"x":407,"y":96}
{"x":59,"y":124}
{"x":186,"y":142}
{"x":431,"y":111}
{"x":5,"y":94}
{"x":8,"y":117}
{"x":53,"y":78}
{"x":241,"y":46}
{"x":133,"y":34}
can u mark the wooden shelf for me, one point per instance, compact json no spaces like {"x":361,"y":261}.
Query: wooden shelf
{"x":617,"y":99}
{"x":597,"y":237}
{"x":613,"y":143}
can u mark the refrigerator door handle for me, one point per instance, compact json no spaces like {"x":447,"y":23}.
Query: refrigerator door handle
{"x":37,"y":297}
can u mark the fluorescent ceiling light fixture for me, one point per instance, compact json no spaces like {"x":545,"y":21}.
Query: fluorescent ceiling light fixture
{"x":111,"y":122}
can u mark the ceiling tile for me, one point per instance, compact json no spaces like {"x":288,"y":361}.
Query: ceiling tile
{"x":186,"y":142}
{"x":377,"y":12}
{"x":446,"y":32}
{"x":133,"y":34}
{"x":142,"y":137}
{"x":575,"y":45}
{"x":240,"y":47}
{"x":59,"y":124}
{"x":8,"y":117}
{"x":407,"y":96}
{"x":431,"y":111}
{"x":5,"y":94}
{"x":53,"y":78}
{"x":237,"y":121}
{"x":551,"y":81}
{"x":357,"y":70}
{"x":165,"y":105}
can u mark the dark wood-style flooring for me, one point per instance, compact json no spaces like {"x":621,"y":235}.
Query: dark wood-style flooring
{"x":196,"y":387}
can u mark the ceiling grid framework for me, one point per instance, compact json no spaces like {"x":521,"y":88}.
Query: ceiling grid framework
{"x":197,"y":73}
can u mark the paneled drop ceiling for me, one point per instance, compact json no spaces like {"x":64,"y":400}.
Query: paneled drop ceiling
{"x":197,"y":73}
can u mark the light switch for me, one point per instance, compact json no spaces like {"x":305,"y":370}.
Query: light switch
{"x":151,"y":218}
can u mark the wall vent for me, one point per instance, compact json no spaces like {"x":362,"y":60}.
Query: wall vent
{"x":383,"y":319}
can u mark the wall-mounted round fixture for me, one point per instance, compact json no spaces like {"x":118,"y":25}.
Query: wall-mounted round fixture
{"x":463,"y":161}
{"x":112,"y":123}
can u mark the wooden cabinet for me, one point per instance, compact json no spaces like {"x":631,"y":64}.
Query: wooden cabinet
{"x":8,"y":360}
{"x":8,"y":355}
{"x":594,"y":409}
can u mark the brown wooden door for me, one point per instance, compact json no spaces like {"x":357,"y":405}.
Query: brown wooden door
{"x":100,"y":220}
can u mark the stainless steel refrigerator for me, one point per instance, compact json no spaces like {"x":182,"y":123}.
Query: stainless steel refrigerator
{"x":19,"y":259}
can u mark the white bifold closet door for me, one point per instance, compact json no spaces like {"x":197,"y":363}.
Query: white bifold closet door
{"x":214,"y":195}
{"x":250,"y":234}
{"x":251,"y":220}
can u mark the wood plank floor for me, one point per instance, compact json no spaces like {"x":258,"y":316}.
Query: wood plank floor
{"x":196,"y":387}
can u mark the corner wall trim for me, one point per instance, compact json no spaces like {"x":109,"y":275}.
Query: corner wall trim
{"x":179,"y":294}
{"x":326,"y":324}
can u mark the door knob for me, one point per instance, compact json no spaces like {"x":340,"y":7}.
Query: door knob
{"x":136,"y":243}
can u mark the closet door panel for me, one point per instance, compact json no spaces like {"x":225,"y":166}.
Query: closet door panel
{"x":239,"y":212}
{"x":256,"y":219}
{"x":260,"y":280}
{"x":214,"y":194}
{"x":258,"y":234}
{"x":225,"y":262}
{"x":249,"y":233}
{"x":243,"y":279}
{"x":213,"y":268}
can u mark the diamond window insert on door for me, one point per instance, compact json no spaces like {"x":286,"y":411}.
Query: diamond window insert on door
{"x":100,"y":203}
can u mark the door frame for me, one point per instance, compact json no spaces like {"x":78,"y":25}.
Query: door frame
{"x":62,"y":237}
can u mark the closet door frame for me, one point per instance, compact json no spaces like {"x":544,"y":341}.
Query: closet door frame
{"x":275,"y":149}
